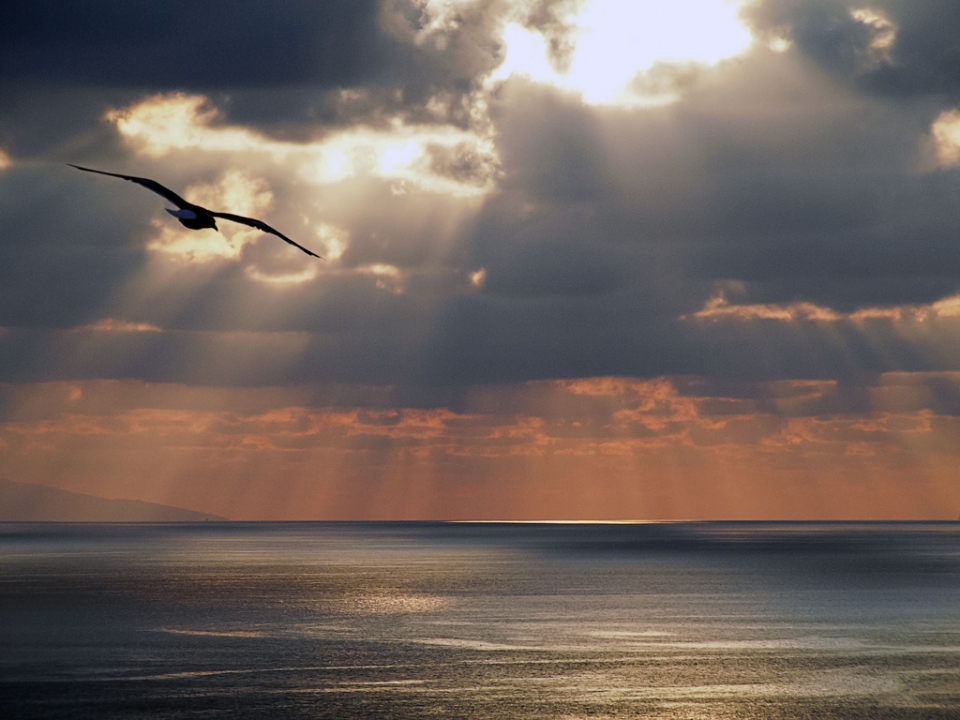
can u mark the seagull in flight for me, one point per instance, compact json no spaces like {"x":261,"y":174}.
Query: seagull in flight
{"x":193,"y":216}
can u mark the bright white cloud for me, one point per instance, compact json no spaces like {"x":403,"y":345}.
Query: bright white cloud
{"x":388,"y":277}
{"x":289,"y":279}
{"x":420,"y":157}
{"x":884,"y":33}
{"x":946,"y":138}
{"x":439,"y":159}
{"x":164,"y":123}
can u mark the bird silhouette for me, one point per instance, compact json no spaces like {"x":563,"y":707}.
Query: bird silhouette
{"x":194,"y":216}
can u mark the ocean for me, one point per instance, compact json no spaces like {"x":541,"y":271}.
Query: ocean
{"x":480,"y":620}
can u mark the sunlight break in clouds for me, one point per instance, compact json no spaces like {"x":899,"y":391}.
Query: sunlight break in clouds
{"x":238,"y":191}
{"x":438,"y":159}
{"x":615,"y":41}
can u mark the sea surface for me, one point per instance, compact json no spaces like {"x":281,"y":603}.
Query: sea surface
{"x":421,"y":620}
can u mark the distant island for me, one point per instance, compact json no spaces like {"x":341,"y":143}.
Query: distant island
{"x":27,"y":502}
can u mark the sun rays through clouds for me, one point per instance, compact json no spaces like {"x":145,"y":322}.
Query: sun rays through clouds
{"x":665,"y":448}
{"x":581,"y":258}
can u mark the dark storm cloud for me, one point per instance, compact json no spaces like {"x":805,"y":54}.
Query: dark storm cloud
{"x":185,"y":44}
{"x":479,"y":342}
{"x":550,"y":250}
{"x":282,"y":71}
{"x":41,"y":121}
{"x":924,"y":57}
{"x":607,"y":226}
{"x":763,"y":173}
{"x":551,"y":144}
{"x":63,"y":251}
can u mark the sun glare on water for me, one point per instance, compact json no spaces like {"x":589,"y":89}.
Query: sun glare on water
{"x":614,"y":41}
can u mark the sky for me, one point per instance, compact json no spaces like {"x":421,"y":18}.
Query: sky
{"x":584,"y":259}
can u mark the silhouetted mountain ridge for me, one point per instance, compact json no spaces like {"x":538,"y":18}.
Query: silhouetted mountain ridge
{"x":27,"y":502}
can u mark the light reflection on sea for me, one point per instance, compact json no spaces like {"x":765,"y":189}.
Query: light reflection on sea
{"x":314,"y":620}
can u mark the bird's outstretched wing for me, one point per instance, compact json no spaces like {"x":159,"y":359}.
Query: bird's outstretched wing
{"x":262,"y":226}
{"x":146,"y":182}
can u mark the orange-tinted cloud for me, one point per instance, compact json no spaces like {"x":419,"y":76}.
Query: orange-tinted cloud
{"x":720,"y":308}
{"x":603,"y":448}
{"x":111,"y":325}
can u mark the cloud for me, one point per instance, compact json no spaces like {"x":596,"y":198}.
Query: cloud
{"x":101,"y":43}
{"x":896,"y":48}
{"x":755,"y":267}
{"x":718,"y":308}
{"x":945,"y":132}
{"x":436,"y":159}
{"x":648,"y":436}
{"x":111,"y":325}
